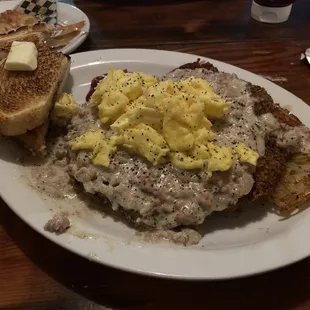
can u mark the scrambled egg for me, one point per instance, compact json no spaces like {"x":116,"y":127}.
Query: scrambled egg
{"x":246,"y":155}
{"x":146,"y":141}
{"x":65,"y":107}
{"x":162,"y":121}
{"x":114,"y":93}
{"x":95,"y":141}
{"x":221,"y":158}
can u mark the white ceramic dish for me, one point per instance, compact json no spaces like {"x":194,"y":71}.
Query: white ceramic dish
{"x":68,"y":14}
{"x":254,"y":242}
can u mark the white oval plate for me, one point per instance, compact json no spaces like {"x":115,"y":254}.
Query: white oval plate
{"x":69,"y":14}
{"x":254,"y":242}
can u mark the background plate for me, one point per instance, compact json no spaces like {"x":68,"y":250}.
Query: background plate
{"x":67,"y":13}
{"x":233,"y":246}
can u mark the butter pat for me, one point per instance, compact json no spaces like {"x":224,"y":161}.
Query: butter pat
{"x":23,"y":56}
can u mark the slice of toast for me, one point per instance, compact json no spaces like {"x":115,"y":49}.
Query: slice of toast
{"x":26,"y":98}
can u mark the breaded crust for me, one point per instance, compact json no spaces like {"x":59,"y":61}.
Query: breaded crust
{"x":272,"y":166}
{"x":264,"y":104}
{"x":199,"y":64}
{"x":269,"y":169}
{"x":27,"y":97}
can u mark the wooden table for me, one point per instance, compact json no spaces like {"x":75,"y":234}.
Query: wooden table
{"x":36,"y":274}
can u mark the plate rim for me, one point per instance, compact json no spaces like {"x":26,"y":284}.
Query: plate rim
{"x":77,"y":42}
{"x":91,"y":57}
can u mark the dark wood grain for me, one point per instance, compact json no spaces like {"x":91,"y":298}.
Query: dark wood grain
{"x":149,"y":23}
{"x":37,"y":274}
{"x":277,"y":60}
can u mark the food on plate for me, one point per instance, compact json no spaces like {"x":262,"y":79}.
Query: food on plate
{"x":58,"y":224}
{"x":35,"y":140}
{"x":65,"y":107}
{"x":12,"y":20}
{"x":152,"y":117}
{"x":23,"y":56}
{"x":62,"y":111}
{"x":293,"y":189}
{"x":25,"y":108}
{"x":27,"y":104}
{"x":17,"y":26}
{"x":166,"y":152}
{"x":201,"y":143}
{"x":37,"y":34}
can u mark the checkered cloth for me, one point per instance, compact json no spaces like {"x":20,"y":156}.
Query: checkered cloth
{"x":44,"y":10}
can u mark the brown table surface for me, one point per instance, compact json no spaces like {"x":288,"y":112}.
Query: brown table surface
{"x":36,"y":274}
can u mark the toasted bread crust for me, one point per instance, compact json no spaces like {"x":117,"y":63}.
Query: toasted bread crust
{"x":27,"y":97}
